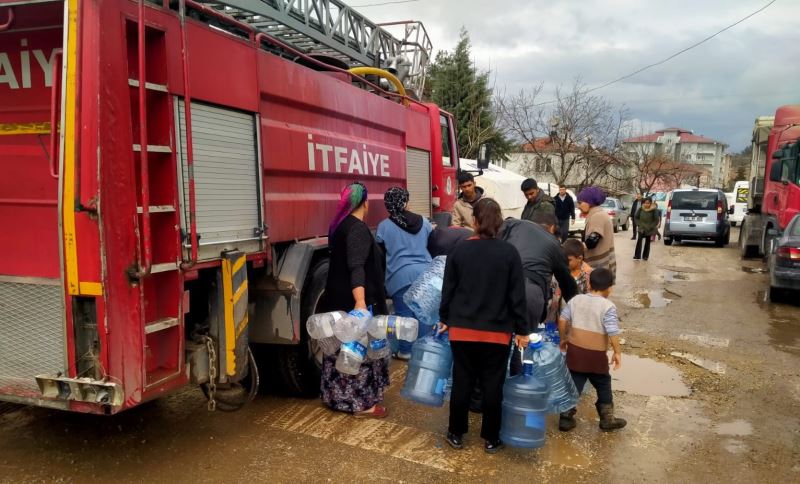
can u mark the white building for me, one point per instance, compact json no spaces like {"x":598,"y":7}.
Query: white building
{"x":683,"y":146}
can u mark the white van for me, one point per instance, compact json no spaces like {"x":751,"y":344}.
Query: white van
{"x":740,"y":191}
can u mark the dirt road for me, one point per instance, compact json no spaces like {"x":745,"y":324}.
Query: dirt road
{"x":710,"y":386}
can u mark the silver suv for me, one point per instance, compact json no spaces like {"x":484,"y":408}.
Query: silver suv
{"x":697,"y":214}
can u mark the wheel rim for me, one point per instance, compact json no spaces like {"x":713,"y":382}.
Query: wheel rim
{"x":314,"y":349}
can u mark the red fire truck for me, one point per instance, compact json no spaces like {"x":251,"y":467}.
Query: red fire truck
{"x":774,"y":196}
{"x":168,"y":170}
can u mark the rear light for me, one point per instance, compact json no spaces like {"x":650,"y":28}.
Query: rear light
{"x":720,"y":212}
{"x":791,"y":253}
{"x":669,"y":210}
{"x":612,"y":213}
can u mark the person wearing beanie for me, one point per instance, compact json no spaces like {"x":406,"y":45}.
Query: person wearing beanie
{"x":599,"y":232}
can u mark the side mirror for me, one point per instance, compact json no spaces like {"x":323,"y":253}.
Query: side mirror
{"x":775,"y":172}
{"x":484,"y":156}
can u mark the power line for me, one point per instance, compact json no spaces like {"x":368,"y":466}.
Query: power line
{"x":383,"y":3}
{"x":696,"y":44}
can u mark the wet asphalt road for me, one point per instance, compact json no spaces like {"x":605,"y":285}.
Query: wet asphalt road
{"x":710,"y":386}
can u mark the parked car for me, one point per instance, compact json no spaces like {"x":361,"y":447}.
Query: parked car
{"x":620,"y":216}
{"x":577,"y":226}
{"x":784,"y":260}
{"x":697,"y":214}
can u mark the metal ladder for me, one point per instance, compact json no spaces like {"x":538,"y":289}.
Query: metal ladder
{"x":331,"y":28}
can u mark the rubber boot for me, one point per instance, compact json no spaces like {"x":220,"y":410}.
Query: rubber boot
{"x":566,"y":420}
{"x":607,"y":420}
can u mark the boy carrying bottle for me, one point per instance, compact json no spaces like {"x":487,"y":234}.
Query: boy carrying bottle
{"x":586,"y":326}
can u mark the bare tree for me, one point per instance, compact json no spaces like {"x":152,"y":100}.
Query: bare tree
{"x":649,"y":169}
{"x":576,"y":134}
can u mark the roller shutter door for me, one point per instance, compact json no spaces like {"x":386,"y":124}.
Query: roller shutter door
{"x":418,"y":172}
{"x":227,"y":194}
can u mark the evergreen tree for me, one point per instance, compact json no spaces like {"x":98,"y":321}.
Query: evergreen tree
{"x":458,"y":87}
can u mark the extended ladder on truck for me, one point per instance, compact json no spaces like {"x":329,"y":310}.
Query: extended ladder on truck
{"x":333,"y":29}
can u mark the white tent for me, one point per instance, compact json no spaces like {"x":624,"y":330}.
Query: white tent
{"x":500,"y":184}
{"x":504,"y":186}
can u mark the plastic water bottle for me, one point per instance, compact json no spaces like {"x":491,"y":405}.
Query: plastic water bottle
{"x":378,"y":343}
{"x":320,"y":328}
{"x":428,"y":371}
{"x":352,"y":326}
{"x":406,"y":329}
{"x":525,"y":407}
{"x":351,"y":355}
{"x":425,"y":294}
{"x":551,"y":367}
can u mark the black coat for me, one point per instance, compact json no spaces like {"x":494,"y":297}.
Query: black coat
{"x":356,"y":260}
{"x":565,"y":209}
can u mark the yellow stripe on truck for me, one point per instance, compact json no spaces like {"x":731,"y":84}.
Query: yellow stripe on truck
{"x":8,"y":129}
{"x":68,"y":136}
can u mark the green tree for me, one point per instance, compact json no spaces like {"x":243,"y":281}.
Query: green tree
{"x":458,"y":87}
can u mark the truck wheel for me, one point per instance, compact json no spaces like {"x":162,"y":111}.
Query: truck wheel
{"x":301,"y":364}
{"x":234,"y":396}
{"x":746,"y":251}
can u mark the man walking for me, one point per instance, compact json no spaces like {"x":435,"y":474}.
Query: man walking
{"x":565,"y":211}
{"x":538,"y":201}
{"x":635,"y":206}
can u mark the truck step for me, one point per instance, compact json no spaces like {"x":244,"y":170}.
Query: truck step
{"x":160,"y":325}
{"x":153,"y":148}
{"x":157,"y":209}
{"x":150,"y":86}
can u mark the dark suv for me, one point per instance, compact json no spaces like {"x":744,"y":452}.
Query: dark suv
{"x":697,"y":214}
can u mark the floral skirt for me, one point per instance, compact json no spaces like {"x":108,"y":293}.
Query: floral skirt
{"x":354,"y":393}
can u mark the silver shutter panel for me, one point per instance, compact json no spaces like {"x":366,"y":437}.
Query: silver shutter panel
{"x":418,"y":173}
{"x":226,"y":178}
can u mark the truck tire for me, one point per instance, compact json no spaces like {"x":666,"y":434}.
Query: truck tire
{"x":746,"y":251}
{"x":234,"y":396}
{"x":301,"y":364}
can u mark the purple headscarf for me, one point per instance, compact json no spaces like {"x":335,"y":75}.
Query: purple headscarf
{"x":594,"y":196}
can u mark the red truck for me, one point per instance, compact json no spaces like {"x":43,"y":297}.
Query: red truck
{"x":168,"y":170}
{"x":774,"y":196}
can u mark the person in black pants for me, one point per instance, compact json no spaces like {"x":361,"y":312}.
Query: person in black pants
{"x":483,"y":303}
{"x":647,"y":219}
{"x":565,"y":211}
{"x":635,"y":206}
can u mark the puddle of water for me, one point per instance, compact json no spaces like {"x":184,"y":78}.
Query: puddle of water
{"x":735,"y":446}
{"x":643,"y":376}
{"x":710,"y":365}
{"x":784,"y":323}
{"x":737,"y":428}
{"x":672,"y":276}
{"x":564,"y":453}
{"x":690,"y":270}
{"x":705,"y":340}
{"x":753,"y":270}
{"x":650,"y":299}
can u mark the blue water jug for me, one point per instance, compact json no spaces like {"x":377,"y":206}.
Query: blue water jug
{"x":525,"y":407}
{"x":551,"y":367}
{"x":425,"y":295}
{"x":428,"y":371}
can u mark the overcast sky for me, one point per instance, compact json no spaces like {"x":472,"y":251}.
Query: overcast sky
{"x":716,"y":89}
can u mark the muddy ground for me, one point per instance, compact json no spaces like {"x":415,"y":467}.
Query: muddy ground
{"x":710,"y":386}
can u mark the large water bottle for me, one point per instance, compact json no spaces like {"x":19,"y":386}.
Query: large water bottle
{"x":352,"y":326}
{"x":428,"y":371}
{"x":377,"y":331}
{"x":351,"y":355}
{"x":425,"y":294}
{"x":320,"y":328}
{"x":551,"y":367}
{"x":525,"y":407}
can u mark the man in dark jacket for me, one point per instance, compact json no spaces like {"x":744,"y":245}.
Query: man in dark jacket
{"x":538,"y":201}
{"x":635,"y":206}
{"x":565,"y":210}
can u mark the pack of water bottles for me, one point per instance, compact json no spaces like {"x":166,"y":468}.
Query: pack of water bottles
{"x":358,"y":336}
{"x":425,"y":294}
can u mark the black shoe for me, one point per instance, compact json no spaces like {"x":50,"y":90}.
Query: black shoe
{"x":633,"y":238}
{"x":566,"y":420}
{"x":455,"y":441}
{"x":636,"y":258}
{"x":491,"y":447}
{"x":644,"y":258}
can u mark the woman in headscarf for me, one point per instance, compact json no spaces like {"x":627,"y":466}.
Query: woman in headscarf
{"x":599,"y":231}
{"x":404,"y":236}
{"x":355,"y":281}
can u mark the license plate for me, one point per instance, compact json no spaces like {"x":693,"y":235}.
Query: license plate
{"x":692,"y":219}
